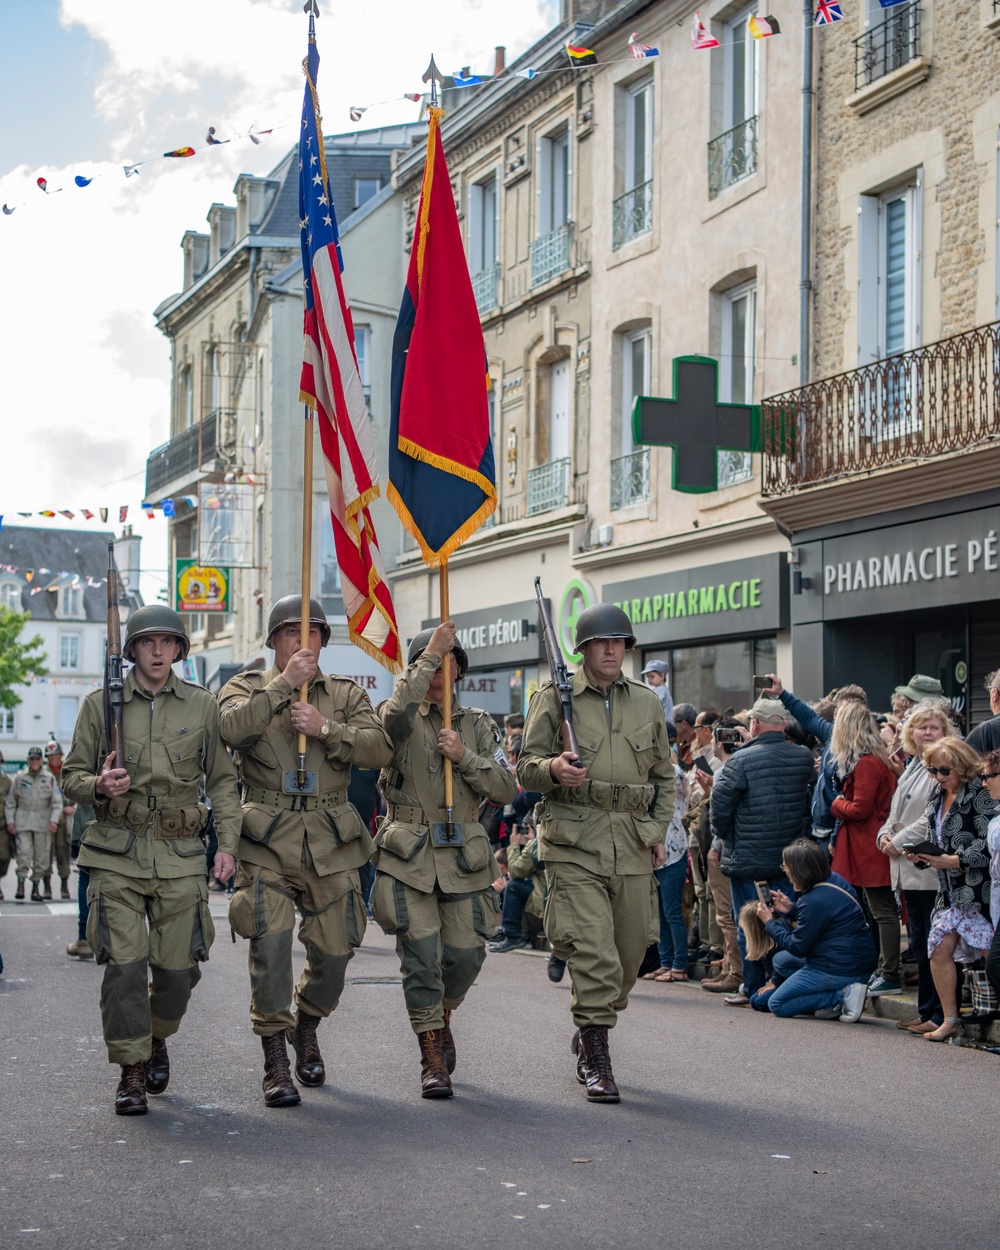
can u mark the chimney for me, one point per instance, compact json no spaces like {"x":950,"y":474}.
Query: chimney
{"x":127,"y":560}
{"x":499,"y":61}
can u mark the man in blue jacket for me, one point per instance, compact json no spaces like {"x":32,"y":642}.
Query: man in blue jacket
{"x":760,"y":801}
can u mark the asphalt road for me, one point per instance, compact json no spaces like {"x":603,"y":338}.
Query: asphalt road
{"x":735,"y":1129}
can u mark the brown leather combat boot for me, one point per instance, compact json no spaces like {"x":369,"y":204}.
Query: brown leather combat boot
{"x":36,"y":892}
{"x":448,"y":1051}
{"x":434,"y":1079}
{"x":595,"y":1064}
{"x":278,"y":1086}
{"x":157,"y":1068}
{"x":309,"y":1066}
{"x":64,"y":887}
{"x":130,"y":1096}
{"x":47,"y":888}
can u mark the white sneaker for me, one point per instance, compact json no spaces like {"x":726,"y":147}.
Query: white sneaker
{"x":854,"y":1001}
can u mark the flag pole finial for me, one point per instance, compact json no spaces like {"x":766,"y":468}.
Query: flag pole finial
{"x":433,"y":75}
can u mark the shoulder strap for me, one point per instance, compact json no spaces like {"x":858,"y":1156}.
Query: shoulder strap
{"x":844,"y":892}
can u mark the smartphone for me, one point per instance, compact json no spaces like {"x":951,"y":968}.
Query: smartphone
{"x":761,"y":683}
{"x":763,"y":892}
{"x":728,"y":737}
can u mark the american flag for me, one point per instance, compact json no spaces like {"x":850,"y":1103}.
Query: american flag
{"x":827,"y":12}
{"x":331,"y":386}
{"x":640,"y":50}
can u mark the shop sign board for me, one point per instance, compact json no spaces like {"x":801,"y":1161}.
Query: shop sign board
{"x":708,"y":601}
{"x":201,"y":587}
{"x":899,"y":568}
{"x":496,"y":637}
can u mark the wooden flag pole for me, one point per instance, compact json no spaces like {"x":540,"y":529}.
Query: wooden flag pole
{"x":307,"y":515}
{"x":449,"y":786}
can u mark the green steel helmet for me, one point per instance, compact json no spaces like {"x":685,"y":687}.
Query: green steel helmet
{"x":418,"y":646}
{"x":603,"y":620}
{"x":288,"y":611}
{"x":155,"y":618}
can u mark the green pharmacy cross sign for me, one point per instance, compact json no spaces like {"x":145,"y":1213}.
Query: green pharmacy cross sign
{"x":695,"y":425}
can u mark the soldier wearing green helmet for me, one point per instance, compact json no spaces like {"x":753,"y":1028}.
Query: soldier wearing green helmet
{"x":601,"y":830}
{"x":298,"y":849}
{"x":149,"y":922}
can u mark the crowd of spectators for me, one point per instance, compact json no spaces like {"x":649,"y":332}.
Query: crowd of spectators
{"x":819,"y":853}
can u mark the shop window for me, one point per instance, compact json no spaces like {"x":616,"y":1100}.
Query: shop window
{"x":736,"y":371}
{"x":719,"y":675}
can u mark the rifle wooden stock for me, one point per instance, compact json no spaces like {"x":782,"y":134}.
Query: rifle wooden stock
{"x":560,"y":675}
{"x":114,"y":682}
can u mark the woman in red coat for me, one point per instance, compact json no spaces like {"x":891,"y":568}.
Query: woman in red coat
{"x":861,"y":810}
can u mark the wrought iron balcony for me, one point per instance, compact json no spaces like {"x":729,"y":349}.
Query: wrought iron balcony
{"x":632,"y":214}
{"x":917,"y":405}
{"x":550,"y":254}
{"x":484,"y":288}
{"x":732,"y":156}
{"x":190,"y":452}
{"x":548,"y":487}
{"x":630,"y":479}
{"x":887,"y":46}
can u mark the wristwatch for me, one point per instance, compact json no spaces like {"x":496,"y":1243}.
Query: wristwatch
{"x":325,"y":731}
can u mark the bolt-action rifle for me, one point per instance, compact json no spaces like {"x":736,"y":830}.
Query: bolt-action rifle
{"x":560,"y":675}
{"x":114,"y":682}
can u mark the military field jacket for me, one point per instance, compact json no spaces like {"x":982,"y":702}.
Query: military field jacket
{"x":172,"y":746}
{"x":257,"y":724}
{"x":413,"y":785}
{"x":33,"y":801}
{"x":523,"y":865}
{"x":625,"y":805}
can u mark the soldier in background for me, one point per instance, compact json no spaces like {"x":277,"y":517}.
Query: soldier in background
{"x":61,"y":837}
{"x":149,"y":922}
{"x":601,"y":830}
{"x":32,"y":808}
{"x":434,"y":895}
{"x":298,"y":850}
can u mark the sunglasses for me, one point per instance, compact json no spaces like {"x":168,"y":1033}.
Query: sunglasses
{"x":989,"y":776}
{"x":939,"y":772}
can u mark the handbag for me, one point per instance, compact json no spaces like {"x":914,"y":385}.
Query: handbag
{"x":984,"y":996}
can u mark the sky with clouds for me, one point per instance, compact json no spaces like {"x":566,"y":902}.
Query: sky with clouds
{"x":89,"y":85}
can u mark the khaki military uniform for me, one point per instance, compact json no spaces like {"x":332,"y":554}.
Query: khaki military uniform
{"x":7,"y":849}
{"x":146,"y":858}
{"x":437,"y":900}
{"x":299,"y":851}
{"x":523,"y":865}
{"x":33,"y":803}
{"x":61,"y":838}
{"x":601,"y":906}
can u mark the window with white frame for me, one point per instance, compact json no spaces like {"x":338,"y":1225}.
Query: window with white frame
{"x":69,"y":651}
{"x":553,"y":182}
{"x":10,"y":596}
{"x":8,"y":723}
{"x":330,"y":594}
{"x":733,"y":153}
{"x":889,"y":247}
{"x":890,"y":40}
{"x":632,"y":213}
{"x":736,"y":371}
{"x":67,"y":712}
{"x":186,"y":397}
{"x":483,"y":201}
{"x":364,"y":189}
{"x":213,"y":387}
{"x":70,"y":601}
{"x":362,"y":349}
{"x":630,"y":464}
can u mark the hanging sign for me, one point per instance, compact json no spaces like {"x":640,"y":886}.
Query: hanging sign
{"x":200,"y":587}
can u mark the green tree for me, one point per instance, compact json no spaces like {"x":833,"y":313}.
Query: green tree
{"x":19,"y":659}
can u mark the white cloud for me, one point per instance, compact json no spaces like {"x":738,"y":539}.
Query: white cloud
{"x":84,"y":384}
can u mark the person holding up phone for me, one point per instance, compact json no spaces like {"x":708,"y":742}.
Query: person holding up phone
{"x":958,"y":818}
{"x":824,"y":951}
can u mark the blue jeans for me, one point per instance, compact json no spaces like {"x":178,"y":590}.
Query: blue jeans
{"x":515,"y":895}
{"x":805,"y":990}
{"x":744,"y":891}
{"x":673,"y":943}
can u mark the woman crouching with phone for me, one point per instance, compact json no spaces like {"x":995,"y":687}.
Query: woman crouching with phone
{"x":826,"y":959}
{"x":958,"y":817}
